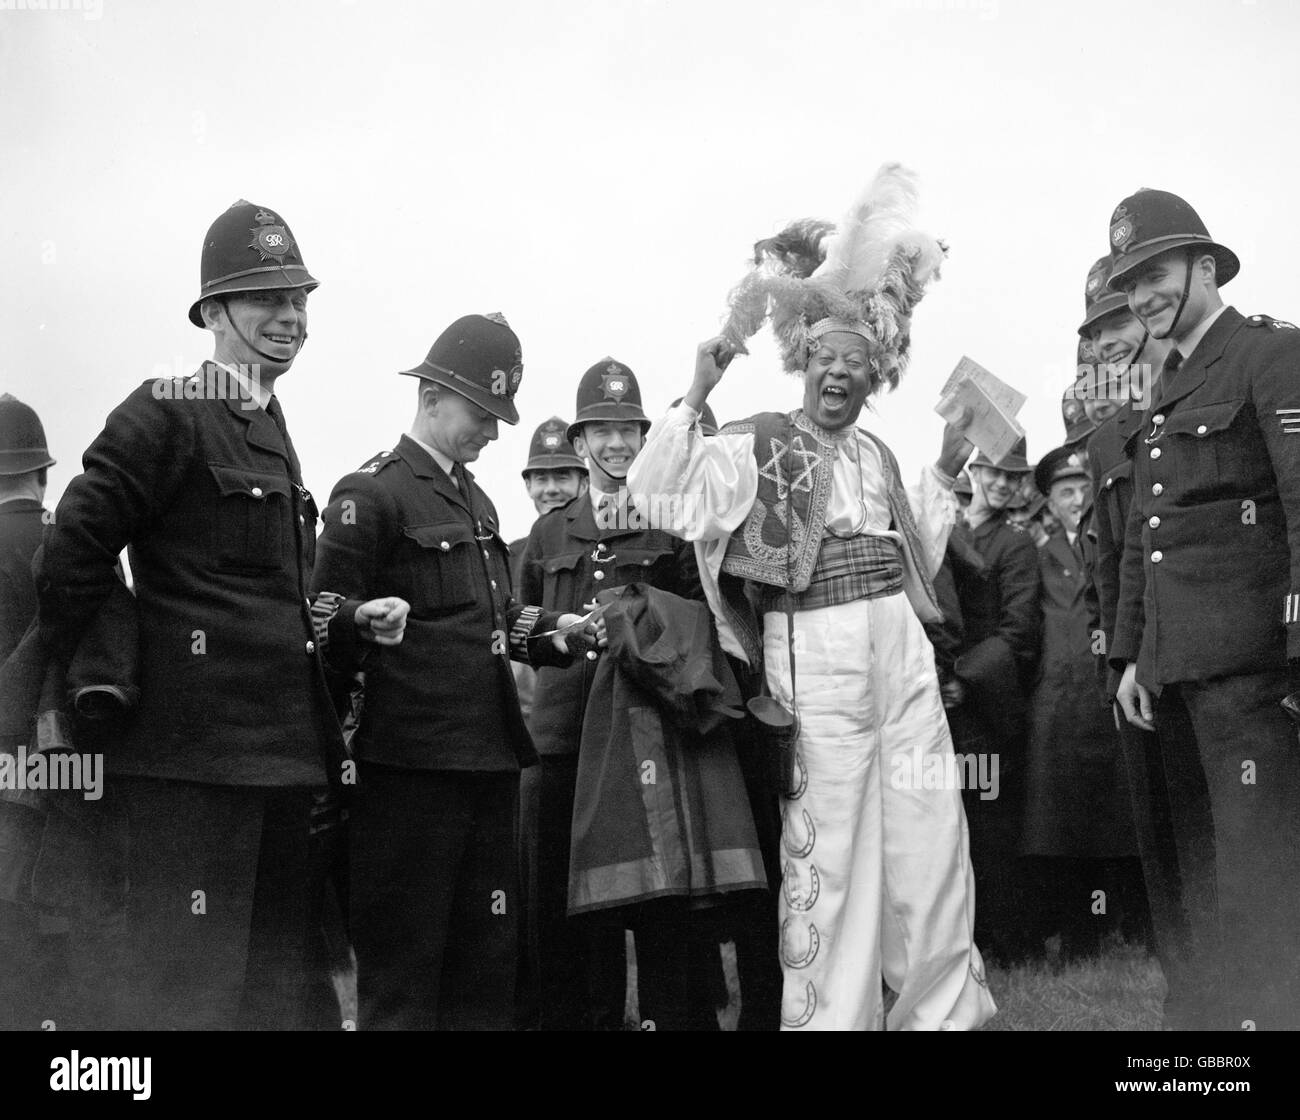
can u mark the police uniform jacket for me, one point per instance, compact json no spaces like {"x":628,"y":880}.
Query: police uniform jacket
{"x":1211,"y":567}
{"x":444,"y":698}
{"x":20,"y":534}
{"x":197,"y":480}
{"x":1112,"y":495}
{"x":567,"y":560}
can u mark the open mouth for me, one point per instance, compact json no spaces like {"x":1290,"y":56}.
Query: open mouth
{"x":282,"y":339}
{"x":833,"y":397}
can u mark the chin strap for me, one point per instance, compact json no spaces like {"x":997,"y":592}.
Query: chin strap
{"x":302,"y":340}
{"x":1182,"y":303}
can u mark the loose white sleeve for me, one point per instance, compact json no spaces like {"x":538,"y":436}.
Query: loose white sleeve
{"x":699,"y":488}
{"x":694,"y":486}
{"x":935,"y":510}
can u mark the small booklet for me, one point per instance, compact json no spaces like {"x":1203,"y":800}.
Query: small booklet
{"x":993,"y":405}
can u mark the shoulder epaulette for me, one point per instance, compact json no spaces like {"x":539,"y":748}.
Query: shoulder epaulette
{"x":378,"y":463}
{"x":1269,"y":321}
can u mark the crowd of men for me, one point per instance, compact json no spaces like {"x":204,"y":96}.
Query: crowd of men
{"x":397,"y":740}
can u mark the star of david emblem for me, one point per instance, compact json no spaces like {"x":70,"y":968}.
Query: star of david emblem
{"x":803,"y":462}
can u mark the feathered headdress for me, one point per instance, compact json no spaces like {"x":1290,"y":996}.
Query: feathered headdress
{"x":864,"y":276}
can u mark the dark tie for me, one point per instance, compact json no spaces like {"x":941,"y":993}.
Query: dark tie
{"x":276,"y":414}
{"x":461,"y":479}
{"x":1172,"y":364}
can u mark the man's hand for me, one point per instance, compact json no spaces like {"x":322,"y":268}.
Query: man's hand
{"x":953,"y":693}
{"x":956,"y":448}
{"x":1135,"y":700}
{"x":711,"y":361}
{"x":590,"y":638}
{"x":382,"y":621}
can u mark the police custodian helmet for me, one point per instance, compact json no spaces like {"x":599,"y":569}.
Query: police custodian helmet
{"x":551,"y":450}
{"x":249,"y":249}
{"x":22,"y":438}
{"x":480,"y":358}
{"x":1152,"y":222}
{"x":608,"y":391}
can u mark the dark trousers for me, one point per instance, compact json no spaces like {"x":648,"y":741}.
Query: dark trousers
{"x":578,"y":966}
{"x":1008,"y":927}
{"x":216,"y":906}
{"x":1235,"y":730}
{"x":1179,"y":881}
{"x":434,"y":898}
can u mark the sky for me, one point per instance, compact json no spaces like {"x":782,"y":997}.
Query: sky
{"x":598,"y":171}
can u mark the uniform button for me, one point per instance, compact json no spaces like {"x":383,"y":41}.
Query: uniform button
{"x":1158,"y":418}
{"x":645,"y":563}
{"x":485,"y":555}
{"x":1201,"y":429}
{"x":445,"y":546}
{"x":1154,"y":523}
{"x":1155,"y":453}
{"x":1157,"y":556}
{"x":311,"y":648}
{"x":1109,"y":483}
{"x":494,"y":585}
{"x":301,"y":520}
{"x":307,"y":603}
{"x":257,"y":491}
{"x":597,"y":575}
{"x":1157,"y":489}
{"x":384,"y":454}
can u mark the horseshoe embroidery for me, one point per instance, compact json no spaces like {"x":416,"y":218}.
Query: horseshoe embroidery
{"x":795,"y":897}
{"x":814,"y":944}
{"x":810,"y":1007}
{"x":787,"y":840}
{"x":802,"y":771}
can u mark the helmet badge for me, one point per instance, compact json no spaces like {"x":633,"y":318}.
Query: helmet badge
{"x":270,"y":239}
{"x":613,"y":382}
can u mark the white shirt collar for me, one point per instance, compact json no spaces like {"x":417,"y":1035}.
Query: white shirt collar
{"x":254,"y":389}
{"x":598,"y":496}
{"x":1188,"y":345}
{"x":438,"y":457}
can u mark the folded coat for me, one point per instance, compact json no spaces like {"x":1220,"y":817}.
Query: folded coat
{"x":660,"y":808}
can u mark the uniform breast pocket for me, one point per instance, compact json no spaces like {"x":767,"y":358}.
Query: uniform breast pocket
{"x":440,"y":563}
{"x":1210,"y":456}
{"x":655,"y":566}
{"x":559,"y":575}
{"x":251,"y":528}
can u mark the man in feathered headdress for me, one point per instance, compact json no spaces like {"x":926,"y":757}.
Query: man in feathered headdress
{"x":809,"y":512}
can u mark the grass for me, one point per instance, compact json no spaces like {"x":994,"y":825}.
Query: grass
{"x":1119,"y":990}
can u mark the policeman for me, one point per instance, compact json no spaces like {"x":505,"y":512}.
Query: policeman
{"x":986,"y":695}
{"x":554,"y":475}
{"x":25,"y":957}
{"x":210,"y":790}
{"x":1207,"y":631}
{"x":1129,"y":361}
{"x":595,"y":542}
{"x":434,"y":885}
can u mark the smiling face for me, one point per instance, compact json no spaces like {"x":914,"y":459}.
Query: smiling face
{"x":609,"y":446}
{"x":993,"y":488}
{"x":263,"y":329}
{"x":453,"y":424}
{"x":1155,"y":288}
{"x":552,"y":488}
{"x":837,"y":380}
{"x":1067,"y":498}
